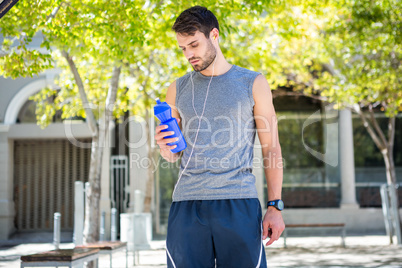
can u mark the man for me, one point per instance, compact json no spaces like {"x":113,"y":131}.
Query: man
{"x":215,"y":217}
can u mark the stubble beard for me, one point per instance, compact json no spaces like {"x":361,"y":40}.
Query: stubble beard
{"x":209,"y":58}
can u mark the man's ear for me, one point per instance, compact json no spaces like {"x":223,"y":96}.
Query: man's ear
{"x":214,"y":34}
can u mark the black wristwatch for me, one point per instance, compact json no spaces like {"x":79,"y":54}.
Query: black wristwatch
{"x":278,"y":204}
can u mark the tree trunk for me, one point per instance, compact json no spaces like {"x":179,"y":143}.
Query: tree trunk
{"x":389,"y":159}
{"x":99,"y":136}
{"x":90,"y":117}
{"x":99,"y":142}
{"x":389,"y":166}
{"x":386,"y":146}
{"x":390,"y":169}
{"x":92,"y":196}
{"x":92,"y":205}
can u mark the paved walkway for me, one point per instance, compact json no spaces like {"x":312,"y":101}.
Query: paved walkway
{"x":360,"y":251}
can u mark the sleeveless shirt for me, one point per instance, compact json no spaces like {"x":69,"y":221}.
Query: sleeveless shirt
{"x":222,"y":161}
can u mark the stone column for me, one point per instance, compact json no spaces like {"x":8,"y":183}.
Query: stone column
{"x":6,"y":184}
{"x":138,"y":157}
{"x":331,"y":145}
{"x":347,"y":161}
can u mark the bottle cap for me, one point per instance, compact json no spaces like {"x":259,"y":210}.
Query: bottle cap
{"x":162,"y":111}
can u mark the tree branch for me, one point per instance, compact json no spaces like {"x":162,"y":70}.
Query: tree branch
{"x":376,"y":125}
{"x":157,"y":5}
{"x":109,"y":106}
{"x":145,"y":82}
{"x":112,"y":93}
{"x":144,"y":85}
{"x":54,"y":13}
{"x":370,"y":130}
{"x":391,"y":131}
{"x":89,"y":114}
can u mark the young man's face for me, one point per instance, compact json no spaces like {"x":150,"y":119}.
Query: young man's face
{"x":197,"y":49}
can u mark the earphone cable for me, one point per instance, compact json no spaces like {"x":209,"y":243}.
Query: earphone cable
{"x":199,"y":119}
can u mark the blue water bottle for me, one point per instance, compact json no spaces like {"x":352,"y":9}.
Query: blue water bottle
{"x":163,"y":111}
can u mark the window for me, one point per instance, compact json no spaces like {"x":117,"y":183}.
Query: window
{"x":308,"y":181}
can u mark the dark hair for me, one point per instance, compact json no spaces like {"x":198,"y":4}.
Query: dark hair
{"x":195,"y":18}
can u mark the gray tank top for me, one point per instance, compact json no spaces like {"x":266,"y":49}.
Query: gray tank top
{"x":221,"y":164}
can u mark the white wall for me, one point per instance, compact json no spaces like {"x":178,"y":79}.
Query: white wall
{"x":138,"y":155}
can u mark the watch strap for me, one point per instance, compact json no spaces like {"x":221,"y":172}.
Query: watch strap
{"x":278,"y":204}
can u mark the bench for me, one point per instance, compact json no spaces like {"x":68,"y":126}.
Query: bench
{"x":107,"y":247}
{"x":60,"y":257}
{"x":340,"y":226}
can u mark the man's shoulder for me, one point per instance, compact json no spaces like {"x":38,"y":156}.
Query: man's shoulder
{"x":183,"y":78}
{"x":182,"y":81}
{"x":246,"y":71}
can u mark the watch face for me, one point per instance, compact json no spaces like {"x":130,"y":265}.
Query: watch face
{"x":280,"y":205}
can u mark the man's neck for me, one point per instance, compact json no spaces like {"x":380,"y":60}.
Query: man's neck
{"x":221,"y":66}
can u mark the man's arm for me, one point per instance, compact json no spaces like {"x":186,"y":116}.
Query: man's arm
{"x":266,"y":123}
{"x":160,"y":136}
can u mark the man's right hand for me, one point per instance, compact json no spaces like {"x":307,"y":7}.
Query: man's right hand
{"x":163,"y":143}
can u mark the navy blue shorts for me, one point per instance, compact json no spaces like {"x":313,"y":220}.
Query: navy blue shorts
{"x":228,"y":232}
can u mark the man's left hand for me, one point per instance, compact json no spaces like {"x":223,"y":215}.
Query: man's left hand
{"x":273,"y":225}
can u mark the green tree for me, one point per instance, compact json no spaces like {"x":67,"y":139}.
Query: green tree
{"x":93,"y":41}
{"x":365,"y":71}
{"x":347,"y":53}
{"x":100,"y":46}
{"x":344,"y":52}
{"x":118,"y":56}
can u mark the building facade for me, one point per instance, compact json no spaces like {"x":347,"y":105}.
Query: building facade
{"x":38,"y":167}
